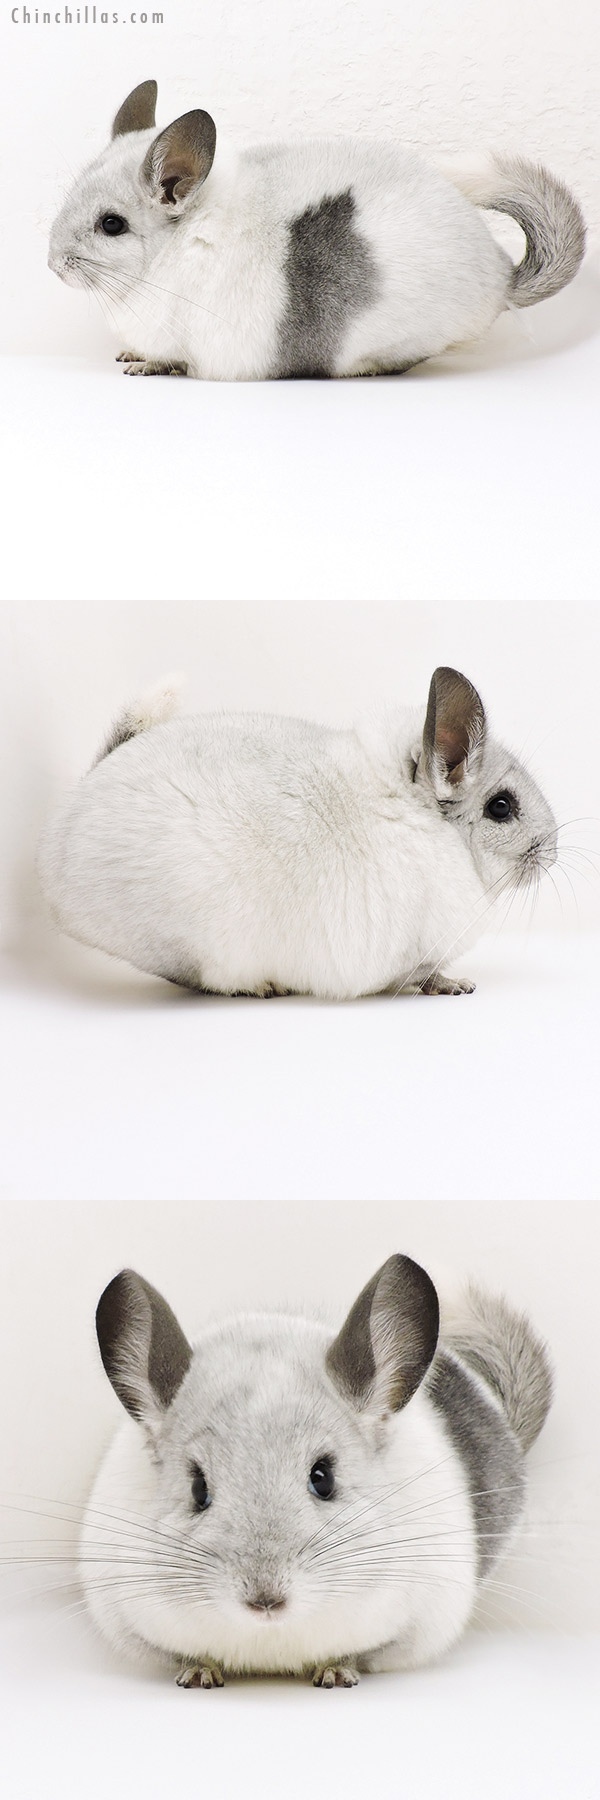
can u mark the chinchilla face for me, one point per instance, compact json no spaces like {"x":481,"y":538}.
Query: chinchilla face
{"x":105,"y":235}
{"x":274,"y":1438}
{"x":122,"y":208}
{"x":481,"y":789}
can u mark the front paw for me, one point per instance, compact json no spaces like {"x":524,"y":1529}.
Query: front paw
{"x":140,"y":365}
{"x":437,"y":984}
{"x":331,"y":1675}
{"x":200,"y":1675}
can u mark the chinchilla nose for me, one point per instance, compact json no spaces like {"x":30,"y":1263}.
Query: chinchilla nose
{"x":60,"y":262}
{"x":544,"y":850}
{"x":265,"y":1603}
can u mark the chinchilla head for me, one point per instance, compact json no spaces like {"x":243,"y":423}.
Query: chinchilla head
{"x":123,"y":206}
{"x":480,"y":788}
{"x":264,"y":1440}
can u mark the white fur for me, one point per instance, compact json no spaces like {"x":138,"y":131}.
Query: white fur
{"x":248,"y":853}
{"x":425,"y":1444}
{"x":404,"y":1479}
{"x":203,"y":283}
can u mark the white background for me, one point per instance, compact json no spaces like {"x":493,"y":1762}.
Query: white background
{"x":444,"y":76}
{"x":66,"y":671}
{"x":58,"y":1410}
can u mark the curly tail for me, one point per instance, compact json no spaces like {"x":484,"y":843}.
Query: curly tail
{"x":542,"y":206}
{"x":502,"y":1348}
{"x":154,"y":707}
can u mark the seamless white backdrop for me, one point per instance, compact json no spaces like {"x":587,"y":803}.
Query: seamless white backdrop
{"x":445,"y":76}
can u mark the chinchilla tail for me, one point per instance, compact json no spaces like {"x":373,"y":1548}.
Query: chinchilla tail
{"x":547,"y":213}
{"x":153,"y":707}
{"x":501,"y":1346}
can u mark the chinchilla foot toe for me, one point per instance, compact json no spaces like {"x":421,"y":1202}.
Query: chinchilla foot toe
{"x":200,"y":1675}
{"x":437,"y":984}
{"x":332,"y":1675}
{"x":139,"y":366}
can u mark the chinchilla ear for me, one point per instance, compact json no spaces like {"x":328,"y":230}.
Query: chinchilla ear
{"x":138,"y":112}
{"x":383,"y":1351}
{"x":454,"y":731}
{"x":143,"y":1348}
{"x":180,"y":158}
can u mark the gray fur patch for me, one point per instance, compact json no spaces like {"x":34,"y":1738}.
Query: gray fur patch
{"x":501,"y":1346}
{"x":553,"y":225}
{"x":120,"y":733}
{"x":331,"y":276}
{"x":487,"y":1448}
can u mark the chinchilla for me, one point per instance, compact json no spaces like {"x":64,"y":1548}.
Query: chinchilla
{"x":286,"y":1499}
{"x":328,"y":257}
{"x":241,"y":853}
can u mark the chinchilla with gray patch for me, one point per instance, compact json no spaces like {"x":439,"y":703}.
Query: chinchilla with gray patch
{"x":328,"y":257}
{"x":241,"y":853}
{"x":285,"y":1499}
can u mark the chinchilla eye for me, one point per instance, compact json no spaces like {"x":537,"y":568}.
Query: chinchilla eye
{"x":500,"y":807}
{"x":200,"y":1493}
{"x":112,"y":224}
{"x":321,"y":1480}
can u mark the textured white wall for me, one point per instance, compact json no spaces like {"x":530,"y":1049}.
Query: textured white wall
{"x":440,"y":74}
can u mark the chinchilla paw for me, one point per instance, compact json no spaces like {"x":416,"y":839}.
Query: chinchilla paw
{"x":331,"y":1675}
{"x":202,"y":1675}
{"x":139,"y":366}
{"x":438,"y":984}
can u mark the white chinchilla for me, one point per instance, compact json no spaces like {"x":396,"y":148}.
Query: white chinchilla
{"x":329,"y":257}
{"x":241,"y":853}
{"x":285,"y":1499}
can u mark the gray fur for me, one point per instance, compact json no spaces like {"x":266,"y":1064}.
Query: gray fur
{"x":120,"y":733}
{"x":553,"y":226}
{"x":331,"y":276}
{"x":488,"y":1450}
{"x":500,"y":1345}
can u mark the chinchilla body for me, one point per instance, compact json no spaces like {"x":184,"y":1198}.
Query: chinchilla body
{"x":255,"y":854}
{"x":332,"y":257}
{"x":283,"y":1499}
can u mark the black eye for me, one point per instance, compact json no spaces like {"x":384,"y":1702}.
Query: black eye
{"x":321,"y":1480}
{"x":501,"y":807}
{"x":200,"y":1493}
{"x":112,"y":224}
